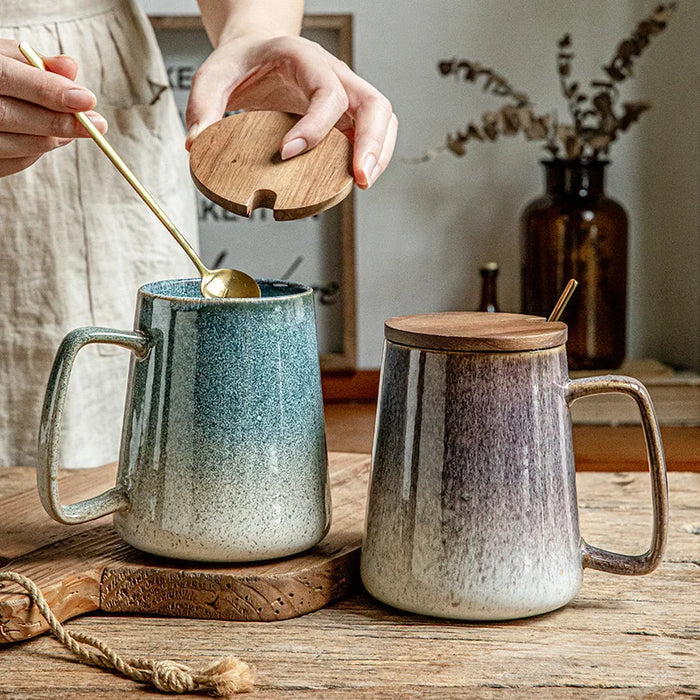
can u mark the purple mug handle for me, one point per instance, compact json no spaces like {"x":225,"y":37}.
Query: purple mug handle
{"x":602,"y":559}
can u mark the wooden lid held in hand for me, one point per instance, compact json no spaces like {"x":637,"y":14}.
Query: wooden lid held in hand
{"x":475,"y":331}
{"x":236,"y":163}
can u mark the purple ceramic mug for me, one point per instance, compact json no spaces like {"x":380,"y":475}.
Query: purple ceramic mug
{"x":472,"y":509}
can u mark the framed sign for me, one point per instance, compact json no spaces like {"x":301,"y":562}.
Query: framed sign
{"x":318,"y":251}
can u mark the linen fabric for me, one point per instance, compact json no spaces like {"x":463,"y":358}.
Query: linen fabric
{"x":76,"y":240}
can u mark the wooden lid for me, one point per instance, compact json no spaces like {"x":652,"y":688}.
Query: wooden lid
{"x":476,"y":331}
{"x":236,"y":163}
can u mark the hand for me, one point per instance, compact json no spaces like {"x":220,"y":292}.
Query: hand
{"x":292,"y":74}
{"x":36,"y":106}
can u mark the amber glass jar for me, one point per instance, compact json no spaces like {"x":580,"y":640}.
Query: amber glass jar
{"x":575,"y":230}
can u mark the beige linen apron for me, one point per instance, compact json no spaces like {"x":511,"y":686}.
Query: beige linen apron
{"x":75,"y":241}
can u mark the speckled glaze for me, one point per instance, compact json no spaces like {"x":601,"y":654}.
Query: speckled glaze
{"x":223,"y":454}
{"x":472,"y":510}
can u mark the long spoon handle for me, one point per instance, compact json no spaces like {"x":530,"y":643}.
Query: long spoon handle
{"x":36,"y":60}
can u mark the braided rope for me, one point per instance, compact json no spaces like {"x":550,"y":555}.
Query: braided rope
{"x":223,"y":678}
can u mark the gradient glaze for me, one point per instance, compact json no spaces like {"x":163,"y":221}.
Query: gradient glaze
{"x":472,"y":507}
{"x":223,"y":450}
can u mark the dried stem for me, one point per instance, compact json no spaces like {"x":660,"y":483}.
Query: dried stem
{"x":620,"y":66}
{"x":493,"y":82}
{"x":597,"y":121}
{"x":570,"y":89}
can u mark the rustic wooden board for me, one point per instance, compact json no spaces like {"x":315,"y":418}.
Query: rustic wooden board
{"x":85,"y":568}
{"x":621,"y":638}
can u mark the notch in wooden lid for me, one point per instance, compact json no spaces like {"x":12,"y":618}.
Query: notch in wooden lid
{"x":475,"y":331}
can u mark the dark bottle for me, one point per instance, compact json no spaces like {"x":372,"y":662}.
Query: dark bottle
{"x":489,"y":273}
{"x":575,"y":230}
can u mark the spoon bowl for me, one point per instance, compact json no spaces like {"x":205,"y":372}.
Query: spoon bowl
{"x":225,"y":283}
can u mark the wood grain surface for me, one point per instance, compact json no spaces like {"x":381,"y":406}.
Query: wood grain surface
{"x":85,"y":568}
{"x":621,"y":638}
{"x":475,"y":331}
{"x":236,"y":163}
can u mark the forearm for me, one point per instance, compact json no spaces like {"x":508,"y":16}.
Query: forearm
{"x":228,"y":19}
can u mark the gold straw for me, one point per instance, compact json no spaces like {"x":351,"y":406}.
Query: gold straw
{"x":563,"y":300}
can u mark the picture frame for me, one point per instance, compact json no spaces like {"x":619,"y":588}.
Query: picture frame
{"x":319,"y":251}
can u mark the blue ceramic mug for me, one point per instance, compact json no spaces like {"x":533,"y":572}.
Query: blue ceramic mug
{"x":223,"y":451}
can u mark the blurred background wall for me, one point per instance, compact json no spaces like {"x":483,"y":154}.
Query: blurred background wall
{"x":423,"y":230}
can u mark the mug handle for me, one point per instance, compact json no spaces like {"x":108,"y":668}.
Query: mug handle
{"x":602,"y":559}
{"x":50,"y":430}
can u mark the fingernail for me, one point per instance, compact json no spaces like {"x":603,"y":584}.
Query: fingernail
{"x":194,"y":131}
{"x":99,"y":121}
{"x":293,"y":148}
{"x":369,"y":165}
{"x":63,"y":142}
{"x":375,"y":174}
{"x":79,"y":98}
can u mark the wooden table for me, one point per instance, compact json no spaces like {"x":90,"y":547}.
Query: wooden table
{"x":620,"y":638}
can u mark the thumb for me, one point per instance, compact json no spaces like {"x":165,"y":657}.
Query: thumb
{"x":207,"y":101}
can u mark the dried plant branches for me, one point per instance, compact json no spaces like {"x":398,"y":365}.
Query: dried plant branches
{"x":511,"y":119}
{"x":494,"y":83}
{"x":597,"y":120}
{"x":620,"y":66}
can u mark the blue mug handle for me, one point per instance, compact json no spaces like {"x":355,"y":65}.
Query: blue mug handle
{"x":50,"y":430}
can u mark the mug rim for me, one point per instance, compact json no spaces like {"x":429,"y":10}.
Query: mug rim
{"x":303,"y":291}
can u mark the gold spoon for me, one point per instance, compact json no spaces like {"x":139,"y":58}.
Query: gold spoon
{"x":215,"y":283}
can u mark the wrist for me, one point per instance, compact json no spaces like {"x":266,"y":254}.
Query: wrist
{"x":247,"y":35}
{"x":229,"y":20}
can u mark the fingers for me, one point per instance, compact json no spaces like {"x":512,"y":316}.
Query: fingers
{"x":326,"y":106}
{"x":36,"y":107}
{"x":49,"y":90}
{"x":9,"y":166}
{"x":22,"y":145}
{"x":375,"y":136}
{"x":387,"y":150}
{"x":328,"y":102}
{"x":207,"y":101}
{"x":337,"y":94}
{"x":10,"y":48}
{"x":62,"y":65}
{"x":19,"y":117}
{"x":375,"y":127}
